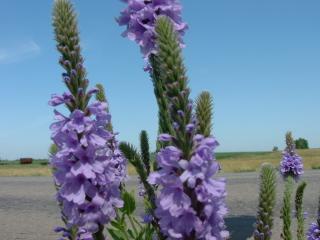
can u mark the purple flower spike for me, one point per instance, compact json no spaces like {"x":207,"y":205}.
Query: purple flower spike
{"x":314,"y":232}
{"x":291,"y":163}
{"x":140,"y":17}
{"x":176,"y":209}
{"x":88,"y":169}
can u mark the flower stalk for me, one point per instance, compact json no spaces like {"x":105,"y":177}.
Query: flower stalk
{"x":286,"y":209}
{"x":299,"y":210}
{"x":267,"y":200}
{"x":291,"y":163}
{"x":187,"y":164}
{"x":204,"y":113}
{"x":88,"y":167}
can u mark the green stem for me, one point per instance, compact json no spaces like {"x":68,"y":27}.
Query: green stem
{"x":125,"y":234}
{"x":286,"y":209}
{"x":137,"y":222}
{"x":99,"y":235}
{"x":133,"y":225}
{"x":299,"y":210}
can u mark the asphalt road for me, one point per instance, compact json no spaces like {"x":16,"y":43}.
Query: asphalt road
{"x":28,"y":210}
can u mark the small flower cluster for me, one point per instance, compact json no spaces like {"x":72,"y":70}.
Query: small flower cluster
{"x":191,"y":202}
{"x":88,"y":168}
{"x":262,"y":235}
{"x":314,"y":232}
{"x":291,"y":164}
{"x":140,"y":17}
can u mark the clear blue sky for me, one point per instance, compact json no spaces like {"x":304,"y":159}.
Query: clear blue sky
{"x":260,"y":60}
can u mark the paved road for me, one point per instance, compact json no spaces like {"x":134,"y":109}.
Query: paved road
{"x":28,"y":210}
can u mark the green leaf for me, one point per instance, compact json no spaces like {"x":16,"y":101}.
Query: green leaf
{"x":131,"y":234}
{"x":117,"y":225}
{"x":130,"y":152}
{"x":129,"y":203}
{"x":116,"y":234}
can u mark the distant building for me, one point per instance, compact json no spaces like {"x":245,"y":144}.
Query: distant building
{"x":26,"y":160}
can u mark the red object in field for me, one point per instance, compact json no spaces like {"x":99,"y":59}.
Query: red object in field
{"x":26,"y":160}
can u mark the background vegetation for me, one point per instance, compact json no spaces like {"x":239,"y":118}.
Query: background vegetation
{"x":230,"y":162}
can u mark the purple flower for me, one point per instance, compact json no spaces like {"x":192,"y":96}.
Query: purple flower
{"x":140,"y":17}
{"x":190,"y":127}
{"x":291,"y":165}
{"x":147,"y":218}
{"x":191,"y":201}
{"x":58,"y":100}
{"x":314,"y":232}
{"x":164,"y":137}
{"x":88,"y":168}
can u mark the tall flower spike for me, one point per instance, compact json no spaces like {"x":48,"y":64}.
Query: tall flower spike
{"x":191,"y":202}
{"x":267,"y":200}
{"x":101,"y":97}
{"x":140,"y":18}
{"x":145,"y":154}
{"x":173,"y":76}
{"x":88,"y":166}
{"x":299,"y":210}
{"x":291,"y":163}
{"x":204,"y":112}
{"x":163,"y":105}
{"x":314,"y":229}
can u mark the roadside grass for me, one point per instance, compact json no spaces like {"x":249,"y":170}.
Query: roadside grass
{"x":37,"y":168}
{"x":235,"y":162}
{"x":251,"y":161}
{"x":15,"y":170}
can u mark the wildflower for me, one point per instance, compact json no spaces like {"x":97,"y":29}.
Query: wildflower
{"x":140,"y":17}
{"x":314,"y":232}
{"x":291,"y":163}
{"x":88,"y":165}
{"x":191,"y":202}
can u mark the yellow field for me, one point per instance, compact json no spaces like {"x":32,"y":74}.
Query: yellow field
{"x":24,"y":170}
{"x":230,"y":162}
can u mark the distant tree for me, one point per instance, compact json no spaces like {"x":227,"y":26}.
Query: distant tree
{"x":275,"y":149}
{"x":301,"y":143}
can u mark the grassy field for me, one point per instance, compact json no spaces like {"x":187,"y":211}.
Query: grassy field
{"x":251,"y":161}
{"x":230,"y":162}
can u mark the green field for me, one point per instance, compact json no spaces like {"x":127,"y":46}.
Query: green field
{"x":230,"y":162}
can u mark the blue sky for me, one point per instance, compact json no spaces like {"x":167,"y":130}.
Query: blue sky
{"x":259,"y":59}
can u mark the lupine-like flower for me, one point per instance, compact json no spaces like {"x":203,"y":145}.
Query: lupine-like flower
{"x":191,"y":202}
{"x":314,"y":232}
{"x":140,"y":17}
{"x":314,"y":229}
{"x":291,"y":163}
{"x":88,"y":165}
